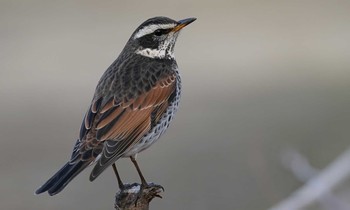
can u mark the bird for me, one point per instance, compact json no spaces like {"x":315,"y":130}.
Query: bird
{"x":134,"y":102}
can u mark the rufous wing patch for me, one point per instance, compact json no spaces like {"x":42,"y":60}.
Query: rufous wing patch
{"x":132,"y":117}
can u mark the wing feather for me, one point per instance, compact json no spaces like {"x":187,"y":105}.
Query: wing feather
{"x":112,"y":126}
{"x":135,"y":118}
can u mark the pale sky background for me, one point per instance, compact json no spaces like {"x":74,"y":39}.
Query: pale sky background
{"x":259,"y":77}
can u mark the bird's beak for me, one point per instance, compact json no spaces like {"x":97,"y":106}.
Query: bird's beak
{"x":183,"y":23}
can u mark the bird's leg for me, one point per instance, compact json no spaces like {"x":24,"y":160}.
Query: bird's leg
{"x":144,"y":184}
{"x":120,"y":183}
{"x":143,"y":180}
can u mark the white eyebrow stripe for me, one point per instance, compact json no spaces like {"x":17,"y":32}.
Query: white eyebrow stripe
{"x":151,"y":28}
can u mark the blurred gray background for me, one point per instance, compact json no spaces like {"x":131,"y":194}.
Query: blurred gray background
{"x":259,"y":77}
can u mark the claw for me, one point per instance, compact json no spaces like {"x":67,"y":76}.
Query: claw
{"x":135,"y":195}
{"x":158,"y":196}
{"x":162,"y":188}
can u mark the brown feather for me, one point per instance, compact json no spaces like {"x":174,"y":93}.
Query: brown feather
{"x":86,"y":121}
{"x":161,"y":109}
{"x":109,"y":118}
{"x":135,"y":114}
{"x":108,"y":105}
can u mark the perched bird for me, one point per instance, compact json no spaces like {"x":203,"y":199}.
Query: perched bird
{"x":134,"y":102}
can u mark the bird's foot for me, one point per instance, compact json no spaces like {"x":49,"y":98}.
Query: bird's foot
{"x":150,"y":190}
{"x":137,"y":195}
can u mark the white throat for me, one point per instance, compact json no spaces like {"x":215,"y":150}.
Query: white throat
{"x":164,"y":50}
{"x":155,"y":53}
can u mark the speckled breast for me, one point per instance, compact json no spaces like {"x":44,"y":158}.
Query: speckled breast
{"x":153,"y":135}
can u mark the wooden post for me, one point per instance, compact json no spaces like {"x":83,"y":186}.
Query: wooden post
{"x":130,"y":197}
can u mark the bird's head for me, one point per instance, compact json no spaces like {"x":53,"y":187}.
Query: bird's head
{"x":156,"y":37}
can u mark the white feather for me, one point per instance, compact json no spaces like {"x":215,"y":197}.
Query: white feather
{"x":151,"y":28}
{"x":151,"y":53}
{"x":161,"y":51}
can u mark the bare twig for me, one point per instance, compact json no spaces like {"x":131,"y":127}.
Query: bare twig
{"x":321,"y":185}
{"x":300,"y":166}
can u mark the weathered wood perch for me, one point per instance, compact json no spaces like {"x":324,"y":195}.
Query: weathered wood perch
{"x":126,"y":197}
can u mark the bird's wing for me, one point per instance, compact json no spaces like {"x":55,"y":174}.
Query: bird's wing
{"x":87,"y":147}
{"x":120,"y":125}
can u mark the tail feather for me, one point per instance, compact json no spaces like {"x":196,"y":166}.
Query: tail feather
{"x":59,"y":180}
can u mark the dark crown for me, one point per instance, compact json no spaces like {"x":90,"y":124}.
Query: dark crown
{"x":156,"y":37}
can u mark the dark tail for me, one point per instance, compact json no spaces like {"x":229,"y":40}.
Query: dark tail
{"x":58,"y":181}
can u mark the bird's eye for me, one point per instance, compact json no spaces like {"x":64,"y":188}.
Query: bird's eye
{"x":158,"y":32}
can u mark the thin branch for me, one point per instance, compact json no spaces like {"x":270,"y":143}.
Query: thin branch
{"x":320,"y":185}
{"x":300,"y":166}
